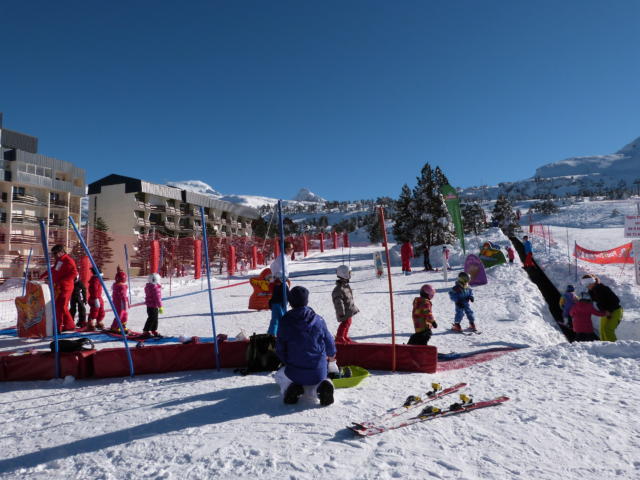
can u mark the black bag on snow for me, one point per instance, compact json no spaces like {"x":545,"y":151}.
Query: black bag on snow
{"x":72,"y":345}
{"x":261,"y":354}
{"x":421,"y":338}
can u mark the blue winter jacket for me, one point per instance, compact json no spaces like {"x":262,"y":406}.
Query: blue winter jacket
{"x":461,"y":295}
{"x":527,"y":247}
{"x":303,"y":344}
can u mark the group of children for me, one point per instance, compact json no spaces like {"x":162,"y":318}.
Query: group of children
{"x":120,"y":297}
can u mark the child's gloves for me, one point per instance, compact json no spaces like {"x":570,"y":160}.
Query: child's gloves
{"x":161,"y":310}
{"x":333,"y":367}
{"x":434,"y":325}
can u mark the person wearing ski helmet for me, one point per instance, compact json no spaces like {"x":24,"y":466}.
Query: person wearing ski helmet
{"x":343,"y":303}
{"x":422,"y":314}
{"x":607,"y":302}
{"x":567,"y":300}
{"x":153,"y":301}
{"x":120,"y":300}
{"x":462,"y":295}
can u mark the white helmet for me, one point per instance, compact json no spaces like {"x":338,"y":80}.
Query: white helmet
{"x":343,"y":272}
{"x":154,"y":278}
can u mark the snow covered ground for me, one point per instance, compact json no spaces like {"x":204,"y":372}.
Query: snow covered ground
{"x":572,"y":410}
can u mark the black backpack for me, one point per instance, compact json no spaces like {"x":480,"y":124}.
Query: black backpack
{"x":72,"y":345}
{"x":261,"y":354}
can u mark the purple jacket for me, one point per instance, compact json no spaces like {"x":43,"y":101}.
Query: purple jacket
{"x":303,"y":345}
{"x":153,"y":295}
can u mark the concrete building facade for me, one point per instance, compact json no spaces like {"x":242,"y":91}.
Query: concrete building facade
{"x":34,"y":187}
{"x":131,"y":206}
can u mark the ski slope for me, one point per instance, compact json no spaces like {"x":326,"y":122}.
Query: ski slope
{"x":572,"y":410}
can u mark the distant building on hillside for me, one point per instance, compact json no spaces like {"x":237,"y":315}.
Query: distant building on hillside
{"x":34,"y":187}
{"x":131,"y":206}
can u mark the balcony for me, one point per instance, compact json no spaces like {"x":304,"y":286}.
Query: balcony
{"x":156,"y":208}
{"x":170,"y":225}
{"x":23,"y":218}
{"x":142,"y":222}
{"x":57,"y":222}
{"x":23,"y":239}
{"x":27,"y":199}
{"x":172,"y":210}
{"x":142,"y":205}
{"x":58,"y":204}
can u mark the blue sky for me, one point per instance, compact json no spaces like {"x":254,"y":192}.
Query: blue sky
{"x":346,"y":98}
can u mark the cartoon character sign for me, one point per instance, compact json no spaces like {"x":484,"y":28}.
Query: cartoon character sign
{"x":475,"y":268}
{"x":262,"y":290}
{"x":35,"y":318}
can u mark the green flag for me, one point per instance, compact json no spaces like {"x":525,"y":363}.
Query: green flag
{"x":453,"y":205}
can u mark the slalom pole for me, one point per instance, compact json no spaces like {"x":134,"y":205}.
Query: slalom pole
{"x":575,"y":244}
{"x":106,"y":292}
{"x":45,"y":247}
{"x":126,"y":260}
{"x":26,"y":272}
{"x":213,"y":320}
{"x":282,"y":254}
{"x":393,"y":326}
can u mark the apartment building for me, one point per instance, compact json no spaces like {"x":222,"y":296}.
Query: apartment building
{"x":34,"y":187}
{"x":131,"y":206}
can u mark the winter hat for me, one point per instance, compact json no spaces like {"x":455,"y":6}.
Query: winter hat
{"x":587,"y":280}
{"x":571,"y":288}
{"x":464,"y":277}
{"x":154,"y":278}
{"x":121,"y":277}
{"x":343,"y":272}
{"x":427,"y":291}
{"x":298,"y":297}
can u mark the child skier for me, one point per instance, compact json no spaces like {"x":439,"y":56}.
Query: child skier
{"x":445,"y":258}
{"x":78,"y":302}
{"x":422,"y":314}
{"x":343,"y":303}
{"x":153,"y":301}
{"x":461,"y":294}
{"x":120,"y":300}
{"x":581,"y":314}
{"x":510,"y":253}
{"x":96,"y":304}
{"x":567,"y":301}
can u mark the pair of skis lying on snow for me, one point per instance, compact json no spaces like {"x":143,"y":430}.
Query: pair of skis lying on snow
{"x":389,"y":421}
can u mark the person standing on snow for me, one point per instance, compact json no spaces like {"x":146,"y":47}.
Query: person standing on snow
{"x":153,"y":301}
{"x":280,"y":275}
{"x":581,"y":313}
{"x":607,"y":302}
{"x":461,"y":294}
{"x":422,"y":314}
{"x":120,"y":300}
{"x":306,"y":348}
{"x":78,"y":302}
{"x":427,"y":260}
{"x":343,"y":303}
{"x":510,"y":253}
{"x":528,"y":252}
{"x":63,"y":273}
{"x":567,"y":300}
{"x":96,"y":303}
{"x":445,"y":258}
{"x":406,"y":253}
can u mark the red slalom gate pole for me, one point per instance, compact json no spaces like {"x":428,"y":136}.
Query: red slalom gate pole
{"x":393,"y":324}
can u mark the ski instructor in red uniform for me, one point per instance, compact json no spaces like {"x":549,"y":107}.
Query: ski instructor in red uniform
{"x":64,"y":273}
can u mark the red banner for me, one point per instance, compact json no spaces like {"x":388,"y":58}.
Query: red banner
{"x":621,"y":254}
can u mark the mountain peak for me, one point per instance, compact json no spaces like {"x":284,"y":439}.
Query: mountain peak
{"x":196,"y":186}
{"x":305,"y":195}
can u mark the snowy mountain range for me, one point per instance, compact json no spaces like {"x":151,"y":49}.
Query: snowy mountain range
{"x":573,"y":176}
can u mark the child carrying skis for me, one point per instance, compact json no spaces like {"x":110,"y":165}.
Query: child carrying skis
{"x":567,"y":300}
{"x":153,"y":301}
{"x":343,"y":303}
{"x":120,"y":300}
{"x":422,"y":314}
{"x":461,"y":294}
{"x":96,"y":304}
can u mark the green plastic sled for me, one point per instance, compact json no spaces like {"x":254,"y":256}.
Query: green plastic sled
{"x":357,"y":375}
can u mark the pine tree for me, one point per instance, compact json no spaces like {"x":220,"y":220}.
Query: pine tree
{"x":504,"y":216}
{"x":372,"y":226}
{"x":100,"y":240}
{"x":405,"y":225}
{"x":473,"y":218}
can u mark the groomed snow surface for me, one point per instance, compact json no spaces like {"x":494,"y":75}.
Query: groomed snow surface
{"x":573,"y":409}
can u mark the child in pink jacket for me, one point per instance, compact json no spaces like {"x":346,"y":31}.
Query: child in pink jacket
{"x":153,"y":301}
{"x":581,"y":316}
{"x":120,"y":300}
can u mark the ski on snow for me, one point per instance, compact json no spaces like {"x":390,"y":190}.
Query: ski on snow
{"x":429,"y":413}
{"x":411,"y":402}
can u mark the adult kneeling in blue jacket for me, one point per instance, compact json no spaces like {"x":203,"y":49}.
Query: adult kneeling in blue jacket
{"x":304,"y":345}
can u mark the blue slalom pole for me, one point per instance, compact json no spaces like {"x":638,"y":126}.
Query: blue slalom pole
{"x":106,"y":291}
{"x":26,"y":272}
{"x":126,"y":257}
{"x":213,"y":319}
{"x":45,"y":247}
{"x":282,"y":254}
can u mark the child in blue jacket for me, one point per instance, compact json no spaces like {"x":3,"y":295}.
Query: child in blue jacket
{"x":305,"y":346}
{"x":461,"y":294}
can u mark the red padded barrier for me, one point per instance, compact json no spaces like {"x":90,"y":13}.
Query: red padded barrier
{"x":41,"y":366}
{"x":377,"y":356}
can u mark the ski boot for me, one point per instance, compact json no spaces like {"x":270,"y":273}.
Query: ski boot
{"x":456,"y":327}
{"x":325,"y":393}
{"x":293,"y":392}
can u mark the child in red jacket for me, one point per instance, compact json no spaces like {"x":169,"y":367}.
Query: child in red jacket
{"x":120,"y":301}
{"x":96,"y":304}
{"x":581,"y":316}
